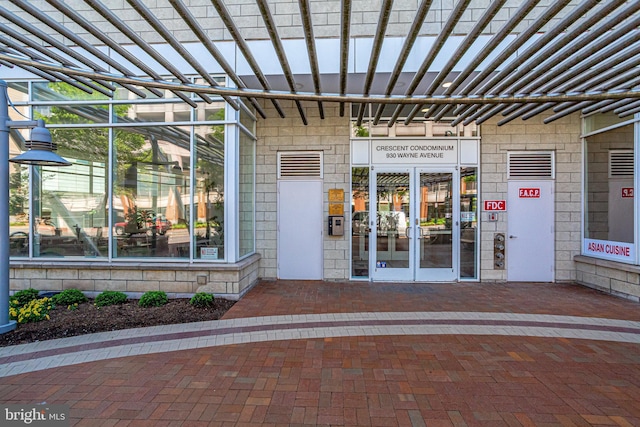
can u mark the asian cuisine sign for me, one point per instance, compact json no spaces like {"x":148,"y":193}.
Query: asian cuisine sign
{"x":413,"y":151}
{"x":615,"y":251}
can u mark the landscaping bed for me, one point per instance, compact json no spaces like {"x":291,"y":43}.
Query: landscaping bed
{"x":86,"y":318}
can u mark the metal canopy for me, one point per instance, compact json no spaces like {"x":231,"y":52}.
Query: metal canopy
{"x":561,"y":56}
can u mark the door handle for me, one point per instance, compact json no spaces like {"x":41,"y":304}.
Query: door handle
{"x":511,"y":236}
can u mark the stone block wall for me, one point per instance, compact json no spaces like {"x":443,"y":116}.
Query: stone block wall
{"x":561,"y":136}
{"x":229,"y":281}
{"x":331,"y":136}
{"x":326,"y":18}
{"x":608,"y":276}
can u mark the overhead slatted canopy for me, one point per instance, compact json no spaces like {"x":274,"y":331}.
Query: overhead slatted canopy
{"x":404,"y":60}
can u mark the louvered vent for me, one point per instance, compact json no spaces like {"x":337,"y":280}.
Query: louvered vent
{"x":307,"y":164}
{"x":531,"y":165}
{"x":621,"y":164}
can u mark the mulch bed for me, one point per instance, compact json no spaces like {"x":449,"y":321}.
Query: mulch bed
{"x":87,"y":319}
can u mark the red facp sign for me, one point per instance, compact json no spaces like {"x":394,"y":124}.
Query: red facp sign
{"x":529,"y":193}
{"x":627,"y":192}
{"x":495,"y":205}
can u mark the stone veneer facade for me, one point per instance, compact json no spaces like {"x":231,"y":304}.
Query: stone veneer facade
{"x":608,"y":276}
{"x":561,"y":136}
{"x":230,"y":281}
{"x":332,"y":137}
{"x":326,"y":18}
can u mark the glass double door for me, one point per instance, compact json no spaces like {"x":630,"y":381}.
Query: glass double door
{"x":414,"y":236}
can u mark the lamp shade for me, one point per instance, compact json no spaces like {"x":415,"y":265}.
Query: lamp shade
{"x":40,"y":158}
{"x":40,"y":149}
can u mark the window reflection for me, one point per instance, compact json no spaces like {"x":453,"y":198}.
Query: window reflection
{"x":136,"y":113}
{"x":128,"y":193}
{"x":246,"y":196}
{"x":209,"y":210}
{"x":610,"y":185}
{"x":124,"y":93}
{"x":150,"y":216}
{"x":50,"y":91}
{"x":18,"y":178}
{"x":18,"y":92}
{"x":18,"y":209}
{"x":70,"y":206}
{"x":436,"y":221}
{"x":210,"y":112}
{"x":73,"y":114}
{"x":468,"y":222}
{"x":360,"y":222}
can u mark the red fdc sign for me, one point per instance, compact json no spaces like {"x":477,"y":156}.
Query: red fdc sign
{"x":627,"y":192}
{"x":495,"y":205}
{"x":529,"y":193}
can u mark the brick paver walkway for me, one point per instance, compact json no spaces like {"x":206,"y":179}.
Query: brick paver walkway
{"x":319,"y":353}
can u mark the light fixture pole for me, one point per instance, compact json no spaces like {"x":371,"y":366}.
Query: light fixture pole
{"x":40,"y":153}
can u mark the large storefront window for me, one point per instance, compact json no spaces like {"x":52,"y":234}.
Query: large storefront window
{"x":70,"y":204}
{"x":18,"y":177}
{"x":147,"y":179}
{"x":209,"y":236}
{"x":609,"y":193}
{"x":150,"y":216}
{"x":70,"y":208}
{"x":18,"y":209}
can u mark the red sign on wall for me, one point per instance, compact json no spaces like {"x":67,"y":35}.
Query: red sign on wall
{"x":495,"y":205}
{"x":627,"y":192}
{"x":529,"y":193}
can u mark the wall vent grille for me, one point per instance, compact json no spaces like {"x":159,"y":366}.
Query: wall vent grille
{"x":621,"y":164}
{"x":306,"y":164}
{"x":531,"y":165}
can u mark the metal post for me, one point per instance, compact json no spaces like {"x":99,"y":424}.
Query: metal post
{"x":5,"y":324}
{"x":40,"y":152}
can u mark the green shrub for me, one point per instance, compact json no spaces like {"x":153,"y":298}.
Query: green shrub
{"x":33,"y":311}
{"x":202,"y":299}
{"x":110,"y":298}
{"x":153,"y":299}
{"x":23,"y":297}
{"x":69,"y":297}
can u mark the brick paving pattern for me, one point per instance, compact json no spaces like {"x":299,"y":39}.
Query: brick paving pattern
{"x":447,"y":377}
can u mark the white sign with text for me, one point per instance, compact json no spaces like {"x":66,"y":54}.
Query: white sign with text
{"x":399,"y":151}
{"x":615,"y":251}
{"x":208,"y":253}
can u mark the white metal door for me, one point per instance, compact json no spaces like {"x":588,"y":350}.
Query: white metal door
{"x":437,"y":223}
{"x":530,"y":243}
{"x":300,"y":229}
{"x":391,"y":225}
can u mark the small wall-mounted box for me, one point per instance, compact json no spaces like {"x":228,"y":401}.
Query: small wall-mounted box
{"x":336,"y":225}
